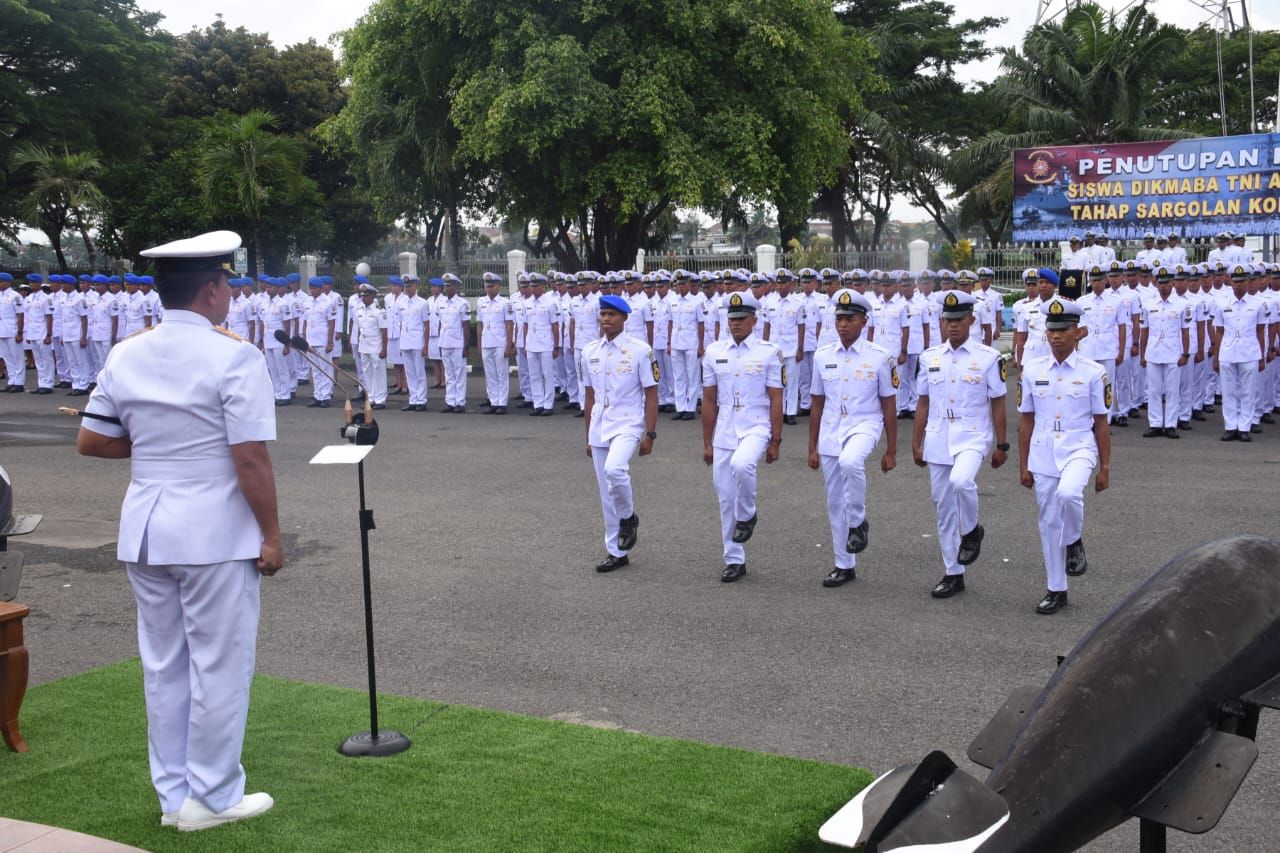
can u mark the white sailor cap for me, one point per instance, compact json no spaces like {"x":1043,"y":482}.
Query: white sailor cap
{"x":203,"y":253}
{"x":957,"y":304}
{"x":742,"y":305}
{"x":850,"y":302}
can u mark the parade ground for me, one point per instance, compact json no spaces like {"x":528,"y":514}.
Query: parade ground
{"x":488,"y":529}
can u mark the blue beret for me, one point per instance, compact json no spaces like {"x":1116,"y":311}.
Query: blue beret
{"x":146,"y":279}
{"x":4,"y":276}
{"x":315,"y":281}
{"x":100,"y":279}
{"x":326,"y":279}
{"x":292,"y":277}
{"x":360,"y":279}
{"x":436,"y":282}
{"x":32,"y":277}
{"x":1046,"y":273}
{"x":113,"y":279}
{"x":86,"y":277}
{"x":614,"y":303}
{"x":394,"y":279}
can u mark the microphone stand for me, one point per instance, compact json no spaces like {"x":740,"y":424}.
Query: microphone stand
{"x":361,"y":431}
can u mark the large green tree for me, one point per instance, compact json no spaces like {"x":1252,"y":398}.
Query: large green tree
{"x":245,"y":170}
{"x":1187,"y":92}
{"x":61,"y":193}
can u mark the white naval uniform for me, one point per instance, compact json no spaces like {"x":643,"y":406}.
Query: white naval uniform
{"x":741,"y":373}
{"x":392,"y":304}
{"x":318,"y":312}
{"x":542,"y":315}
{"x":813,"y":303}
{"x":1102,"y":317}
{"x":493,"y":314}
{"x":851,"y":380}
{"x":1191,"y":377}
{"x":79,"y":361}
{"x":687,"y":330}
{"x":1238,"y":358}
{"x":11,"y":311}
{"x":104,"y":313}
{"x":959,"y":384}
{"x":38,"y":326}
{"x":519,"y":315}
{"x":617,"y":371}
{"x":277,"y":316}
{"x":185,"y":394}
{"x":1031,"y":323}
{"x":1164,"y":321}
{"x":661,"y":309}
{"x":454,"y":318}
{"x":367,"y":324}
{"x":414,"y":317}
{"x":352,"y":303}
{"x":786,"y":324}
{"x":1064,"y":396}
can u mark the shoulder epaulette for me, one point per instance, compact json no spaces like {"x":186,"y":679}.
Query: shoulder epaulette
{"x":230,"y":334}
{"x":140,"y":331}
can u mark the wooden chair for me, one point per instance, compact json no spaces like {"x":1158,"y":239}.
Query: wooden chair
{"x":13,"y":673}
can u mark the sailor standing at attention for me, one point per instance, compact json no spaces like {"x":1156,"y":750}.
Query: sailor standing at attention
{"x":861,"y":380}
{"x":1062,"y":439}
{"x":961,"y":388}
{"x":621,"y":411}
{"x":742,"y":382}
{"x":190,"y":405}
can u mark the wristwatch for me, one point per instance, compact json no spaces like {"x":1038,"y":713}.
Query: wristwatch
{"x":651,"y":435}
{"x":1003,"y":447}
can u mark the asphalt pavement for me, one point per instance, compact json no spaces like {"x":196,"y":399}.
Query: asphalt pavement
{"x":488,"y":529}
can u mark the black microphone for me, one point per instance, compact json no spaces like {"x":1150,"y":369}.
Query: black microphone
{"x":282,"y":337}
{"x":300,"y":344}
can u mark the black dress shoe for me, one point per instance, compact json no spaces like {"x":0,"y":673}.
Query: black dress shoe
{"x":533,"y":413}
{"x":1133,"y":413}
{"x":501,"y":410}
{"x":579,"y":414}
{"x":1244,"y":436}
{"x":627,"y":530}
{"x":1171,"y":432}
{"x":742,"y":532}
{"x":1052,"y":602}
{"x":1121,"y":421}
{"x":44,"y":391}
{"x":790,"y":420}
{"x":611,"y":562}
{"x":80,"y":392}
{"x":400,"y":392}
{"x":1154,"y":432}
{"x":1230,"y":435}
{"x":314,"y":404}
{"x":970,"y":546}
{"x":359,"y":399}
{"x":574,"y":407}
{"x":839,"y":577}
{"x":488,"y":410}
{"x":906,"y":415}
{"x":63,"y":384}
{"x":18,"y":389}
{"x":857,"y":540}
{"x":666,"y":407}
{"x":543,"y":413}
{"x":447,"y":410}
{"x":527,"y":404}
{"x":1185,"y":426}
{"x":1266,"y":419}
{"x":283,"y":403}
{"x":678,"y":416}
{"x":1197,"y":415}
{"x":1076,"y":562}
{"x":421,"y":407}
{"x":304,"y":381}
{"x":804,"y":413}
{"x":324,"y":404}
{"x":948,"y":586}
{"x":1255,"y":429}
{"x":408,"y":407}
{"x":378,"y":406}
{"x":732,"y":572}
{"x":1208,"y":410}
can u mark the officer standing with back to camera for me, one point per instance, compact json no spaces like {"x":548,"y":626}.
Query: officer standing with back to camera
{"x":621,"y":412}
{"x":742,"y":379}
{"x":191,"y":406}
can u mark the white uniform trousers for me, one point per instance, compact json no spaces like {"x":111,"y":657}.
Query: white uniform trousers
{"x":733,"y":473}
{"x":686,"y":377}
{"x":558,"y":367}
{"x":613,"y":476}
{"x":42,"y":355}
{"x":954,"y":489}
{"x":197,"y":633}
{"x":1238,"y":382}
{"x":1060,"y":501}
{"x":79,"y":364}
{"x":790,"y":388}
{"x":61,"y":365}
{"x":907,"y":395}
{"x":1139,"y":382}
{"x":542,"y":380}
{"x":15,"y":364}
{"x":522,"y":374}
{"x":1264,"y":385}
{"x":301,"y":368}
{"x":359,"y":364}
{"x":373,"y":373}
{"x":666,"y":382}
{"x":279,"y":370}
{"x":581,"y":374}
{"x":321,"y":380}
{"x":455,"y":376}
{"x":394,"y":358}
{"x":1123,"y":388}
{"x":1204,"y":385}
{"x":571,"y":384}
{"x":101,"y":349}
{"x":1187,"y":390}
{"x":1163,"y":385}
{"x":497,"y":377}
{"x":804,"y":375}
{"x":415,"y":375}
{"x":845,"y":478}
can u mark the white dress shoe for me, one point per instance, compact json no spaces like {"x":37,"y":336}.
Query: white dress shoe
{"x":168,"y":820}
{"x":195,"y":815}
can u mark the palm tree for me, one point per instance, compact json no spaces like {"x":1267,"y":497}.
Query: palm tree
{"x":1089,"y":79}
{"x":245,"y":168}
{"x":61,"y":194}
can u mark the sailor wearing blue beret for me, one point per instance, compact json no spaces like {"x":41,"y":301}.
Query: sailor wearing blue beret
{"x":12,"y":318}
